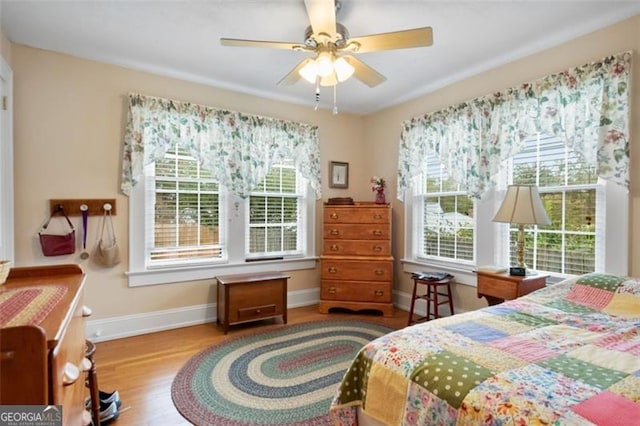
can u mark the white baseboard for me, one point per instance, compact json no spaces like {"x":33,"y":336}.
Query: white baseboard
{"x":101,"y":330}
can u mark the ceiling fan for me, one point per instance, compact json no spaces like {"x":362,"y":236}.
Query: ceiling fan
{"x":333,"y":61}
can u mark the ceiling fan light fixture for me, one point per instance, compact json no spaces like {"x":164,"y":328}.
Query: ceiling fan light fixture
{"x":329,"y":80}
{"x":343,"y":69}
{"x":324,"y":64}
{"x":309,"y":71}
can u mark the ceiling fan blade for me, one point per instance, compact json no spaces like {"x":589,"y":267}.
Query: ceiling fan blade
{"x":417,"y":37}
{"x":364,"y":72}
{"x":322,"y":15}
{"x":235,"y":42}
{"x":294,"y":75}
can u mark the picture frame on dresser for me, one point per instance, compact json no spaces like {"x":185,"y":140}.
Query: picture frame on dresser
{"x":338,"y":174}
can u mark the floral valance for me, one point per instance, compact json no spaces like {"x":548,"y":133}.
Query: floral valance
{"x":586,"y":106}
{"x":237,"y":148}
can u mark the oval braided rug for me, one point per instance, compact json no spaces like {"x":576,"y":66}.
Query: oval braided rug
{"x":286,"y":376}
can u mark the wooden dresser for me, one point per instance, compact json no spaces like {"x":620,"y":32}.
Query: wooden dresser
{"x":43,"y":364}
{"x":357,"y":266}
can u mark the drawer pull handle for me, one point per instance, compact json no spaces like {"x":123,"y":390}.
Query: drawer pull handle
{"x":379,"y":271}
{"x":377,"y":248}
{"x":70,"y":375}
{"x":86,"y":364}
{"x":7,"y":355}
{"x":378,"y":292}
{"x":86,"y":311}
{"x":258,"y":311}
{"x":377,"y":232}
{"x":334,"y":247}
{"x":377,"y":216}
{"x":334,"y":232}
{"x":332,"y":290}
{"x":334,"y":215}
{"x":333,"y":270}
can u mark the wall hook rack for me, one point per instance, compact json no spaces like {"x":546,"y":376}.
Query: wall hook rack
{"x":75,"y":207}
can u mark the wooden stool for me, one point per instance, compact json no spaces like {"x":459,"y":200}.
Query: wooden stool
{"x":92,"y":382}
{"x":431,"y":296}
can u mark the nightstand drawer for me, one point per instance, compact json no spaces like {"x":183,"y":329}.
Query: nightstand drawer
{"x":502,"y":289}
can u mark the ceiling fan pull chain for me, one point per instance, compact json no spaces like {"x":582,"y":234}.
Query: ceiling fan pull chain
{"x":317,"y":93}
{"x":335,"y":99}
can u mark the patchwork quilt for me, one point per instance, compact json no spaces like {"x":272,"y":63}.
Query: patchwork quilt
{"x":565,"y":354}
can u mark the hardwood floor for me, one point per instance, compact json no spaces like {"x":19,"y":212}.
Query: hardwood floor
{"x":142,"y":368}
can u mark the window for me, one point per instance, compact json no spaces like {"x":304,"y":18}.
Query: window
{"x":275,"y":219}
{"x":570,"y":193}
{"x":186,"y":212}
{"x":193,"y":228}
{"x":445,"y":217}
{"x":589,"y":230}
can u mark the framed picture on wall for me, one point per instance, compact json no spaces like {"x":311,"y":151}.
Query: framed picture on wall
{"x":338,"y":174}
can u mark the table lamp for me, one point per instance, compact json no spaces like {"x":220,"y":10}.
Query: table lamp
{"x":522,"y":206}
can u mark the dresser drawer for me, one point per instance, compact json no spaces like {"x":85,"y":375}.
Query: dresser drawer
{"x":357,"y":247}
{"x":357,"y":232}
{"x":257,"y":312}
{"x":66,"y":361}
{"x":333,"y":214}
{"x":357,"y":270}
{"x":356,"y":291}
{"x":502,"y":289}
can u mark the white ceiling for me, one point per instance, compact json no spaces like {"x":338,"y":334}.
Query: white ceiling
{"x":181,"y":39}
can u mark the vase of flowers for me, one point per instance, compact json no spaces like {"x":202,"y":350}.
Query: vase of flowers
{"x":378,"y":185}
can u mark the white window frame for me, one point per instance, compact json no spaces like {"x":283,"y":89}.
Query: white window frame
{"x":491,"y":238}
{"x":234,"y":262}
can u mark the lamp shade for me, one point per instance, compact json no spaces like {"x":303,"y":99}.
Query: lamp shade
{"x":522,"y":205}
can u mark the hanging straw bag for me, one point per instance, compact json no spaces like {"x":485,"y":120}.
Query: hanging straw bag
{"x":106,"y":252}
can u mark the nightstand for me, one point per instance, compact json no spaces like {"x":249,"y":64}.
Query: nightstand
{"x":497,"y":288}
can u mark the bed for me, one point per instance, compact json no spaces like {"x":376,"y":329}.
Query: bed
{"x":565,"y":354}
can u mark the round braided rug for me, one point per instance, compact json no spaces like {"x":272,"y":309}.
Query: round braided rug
{"x":286,"y":376}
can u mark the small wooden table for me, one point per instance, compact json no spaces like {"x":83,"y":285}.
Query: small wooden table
{"x":251,"y":297}
{"x":497,"y":288}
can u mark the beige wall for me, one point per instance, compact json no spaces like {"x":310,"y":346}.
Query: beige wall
{"x":382,"y":130}
{"x":69,"y":118}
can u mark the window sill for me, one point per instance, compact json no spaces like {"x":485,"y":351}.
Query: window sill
{"x":195,"y":273}
{"x":464,"y":273}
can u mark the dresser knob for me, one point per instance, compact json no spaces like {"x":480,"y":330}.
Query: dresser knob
{"x":377,"y":216}
{"x":334,"y":232}
{"x":258,"y":311}
{"x":333,"y":215}
{"x":333,"y":270}
{"x":334,"y":247}
{"x":332,"y":290}
{"x":379,"y":271}
{"x":70,"y":375}
{"x":377,"y":232}
{"x":378,"y":292}
{"x":377,"y":248}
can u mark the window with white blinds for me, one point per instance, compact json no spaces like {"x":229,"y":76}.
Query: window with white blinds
{"x":445,"y":217}
{"x":276,"y":215}
{"x":589,"y":229}
{"x":573,"y":201}
{"x":185,"y":226}
{"x":184,"y":220}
